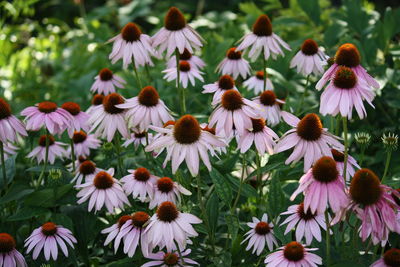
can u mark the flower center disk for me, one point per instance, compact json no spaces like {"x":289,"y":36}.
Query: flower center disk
{"x":233,"y":54}
{"x":392,"y":257}
{"x":260,"y":75}
{"x":47,"y":107}
{"x":268,"y":98}
{"x":97,"y":99}
{"x":304,"y":215}
{"x":42,"y":140}
{"x":186,"y":55}
{"x":103,"y":180}
{"x":79,"y":137}
{"x":324,"y":170}
{"x":142,"y":174}
{"x":5,"y":110}
{"x":262,"y":228}
{"x":258,"y":125}
{"x":110,"y":102}
{"x":140,"y":135}
{"x":140,"y":218}
{"x":345,"y":78}
{"x":187,"y":130}
{"x":105,"y":74}
{"x":184,"y":66}
{"x":226,"y":82}
{"x":49,"y":229}
{"x":348,"y":55}
{"x":365,"y":187}
{"x":171,"y":259}
{"x":309,"y":47}
{"x":148,"y":96}
{"x":231,"y":100}
{"x":165,"y":184}
{"x":123,"y":219}
{"x":87,"y":167}
{"x":7,"y":243}
{"x":174,"y":20}
{"x":167,"y":212}
{"x":131,"y":32}
{"x":262,"y":26}
{"x":72,"y":107}
{"x":294,"y":251}
{"x":310,"y":127}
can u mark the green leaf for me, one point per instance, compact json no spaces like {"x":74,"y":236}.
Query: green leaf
{"x":247,"y":190}
{"x":311,"y":8}
{"x":276,"y":197}
{"x":16,"y":191}
{"x":10,"y":170}
{"x":26,"y":213}
{"x":222,"y":188}
{"x":212,"y":207}
{"x":232,"y":222}
{"x":47,"y":197}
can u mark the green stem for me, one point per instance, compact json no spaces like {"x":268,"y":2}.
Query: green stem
{"x":136,"y":74}
{"x":240,"y":185}
{"x":179,"y":253}
{"x":73,"y":155}
{"x":181,"y":91}
{"x":3,"y":166}
{"x":346,"y":147}
{"x":328,"y":240}
{"x":362,"y":155}
{"x":118,"y":152}
{"x":259,"y":175}
{"x":264,"y":72}
{"x":388,"y":157}
{"x":304,"y":95}
{"x":46,"y":158}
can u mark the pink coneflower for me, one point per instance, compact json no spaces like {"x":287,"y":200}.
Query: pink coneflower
{"x":47,"y":114}
{"x":269,"y":107}
{"x":186,"y":73}
{"x":170,"y":259}
{"x":194,"y":60}
{"x":77,"y":163}
{"x":9,"y":150}
{"x":107,"y":118}
{"x":176,"y":35}
{"x":391,"y":258}
{"x":113,"y":230}
{"x":351,"y":164}
{"x":256,"y":83}
{"x":233,"y":112}
{"x":132,"y":233}
{"x":374,"y":205}
{"x":80,"y":118}
{"x":86,"y":171}
{"x":185,"y":141}
{"x":225,"y":82}
{"x":211,"y":130}
{"x":310,"y":59}
{"x":49,"y":237}
{"x":167,"y":190}
{"x":97,"y":100}
{"x":344,"y":92}
{"x":138,"y":138}
{"x":56,"y":150}
{"x":105,"y":82}
{"x":307,"y":223}
{"x":262,"y":137}
{"x":146,"y":109}
{"x":309,"y":139}
{"x":293,"y":254}
{"x":348,"y":56}
{"x":168,"y":225}
{"x":263,"y":39}
{"x":140,"y":183}
{"x":234,"y":64}
{"x":83,"y":143}
{"x":9,"y":256}
{"x":102,"y":190}
{"x":10,"y":126}
{"x":322,"y":185}
{"x":261,"y":233}
{"x":131,"y":45}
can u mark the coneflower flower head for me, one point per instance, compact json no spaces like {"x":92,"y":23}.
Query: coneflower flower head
{"x":310,"y":58}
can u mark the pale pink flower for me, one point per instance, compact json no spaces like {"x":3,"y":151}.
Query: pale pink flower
{"x":234,"y":111}
{"x":348,"y":56}
{"x":105,"y":82}
{"x":322,"y":185}
{"x":194,"y":60}
{"x":132,"y":233}
{"x":164,"y":189}
{"x":9,"y":150}
{"x":79,"y":118}
{"x":47,"y":114}
{"x":261,"y":234}
{"x":293,"y":254}
{"x":225,"y":82}
{"x":256,"y":83}
{"x":176,"y":35}
{"x":107,"y":118}
{"x":307,"y":223}
{"x":187,"y":73}
{"x":185,"y":141}
{"x":131,"y":45}
{"x":262,"y":137}
{"x":309,"y":139}
{"x":262,"y":39}
{"x":344,"y":92}
{"x":102,"y":190}
{"x":145,"y":109}
{"x":97,"y":100}
{"x":234,"y":64}
{"x":83,"y":143}
{"x":170,"y":259}
{"x":9,"y":256}
{"x":391,"y":258}
{"x":168,"y":225}
{"x":56,"y":150}
{"x":352,"y":164}
{"x":140,"y":184}
{"x":85,"y":171}
{"x":310,"y":59}
{"x":269,"y":107}
{"x":138,"y":138}
{"x":49,"y":237}
{"x":113,"y":231}
{"x":10,"y":126}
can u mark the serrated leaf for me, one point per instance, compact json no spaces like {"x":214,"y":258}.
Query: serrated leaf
{"x":212,"y":207}
{"x":16,"y":191}
{"x":26,"y":213}
{"x":47,"y":197}
{"x":233,"y":225}
{"x":311,"y":8}
{"x":222,"y":187}
{"x":276,"y":197}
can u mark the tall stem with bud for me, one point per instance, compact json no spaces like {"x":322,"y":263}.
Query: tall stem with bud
{"x":346,"y":147}
{"x":46,"y":158}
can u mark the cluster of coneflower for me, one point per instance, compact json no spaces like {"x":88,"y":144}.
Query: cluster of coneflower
{"x":333,"y":187}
